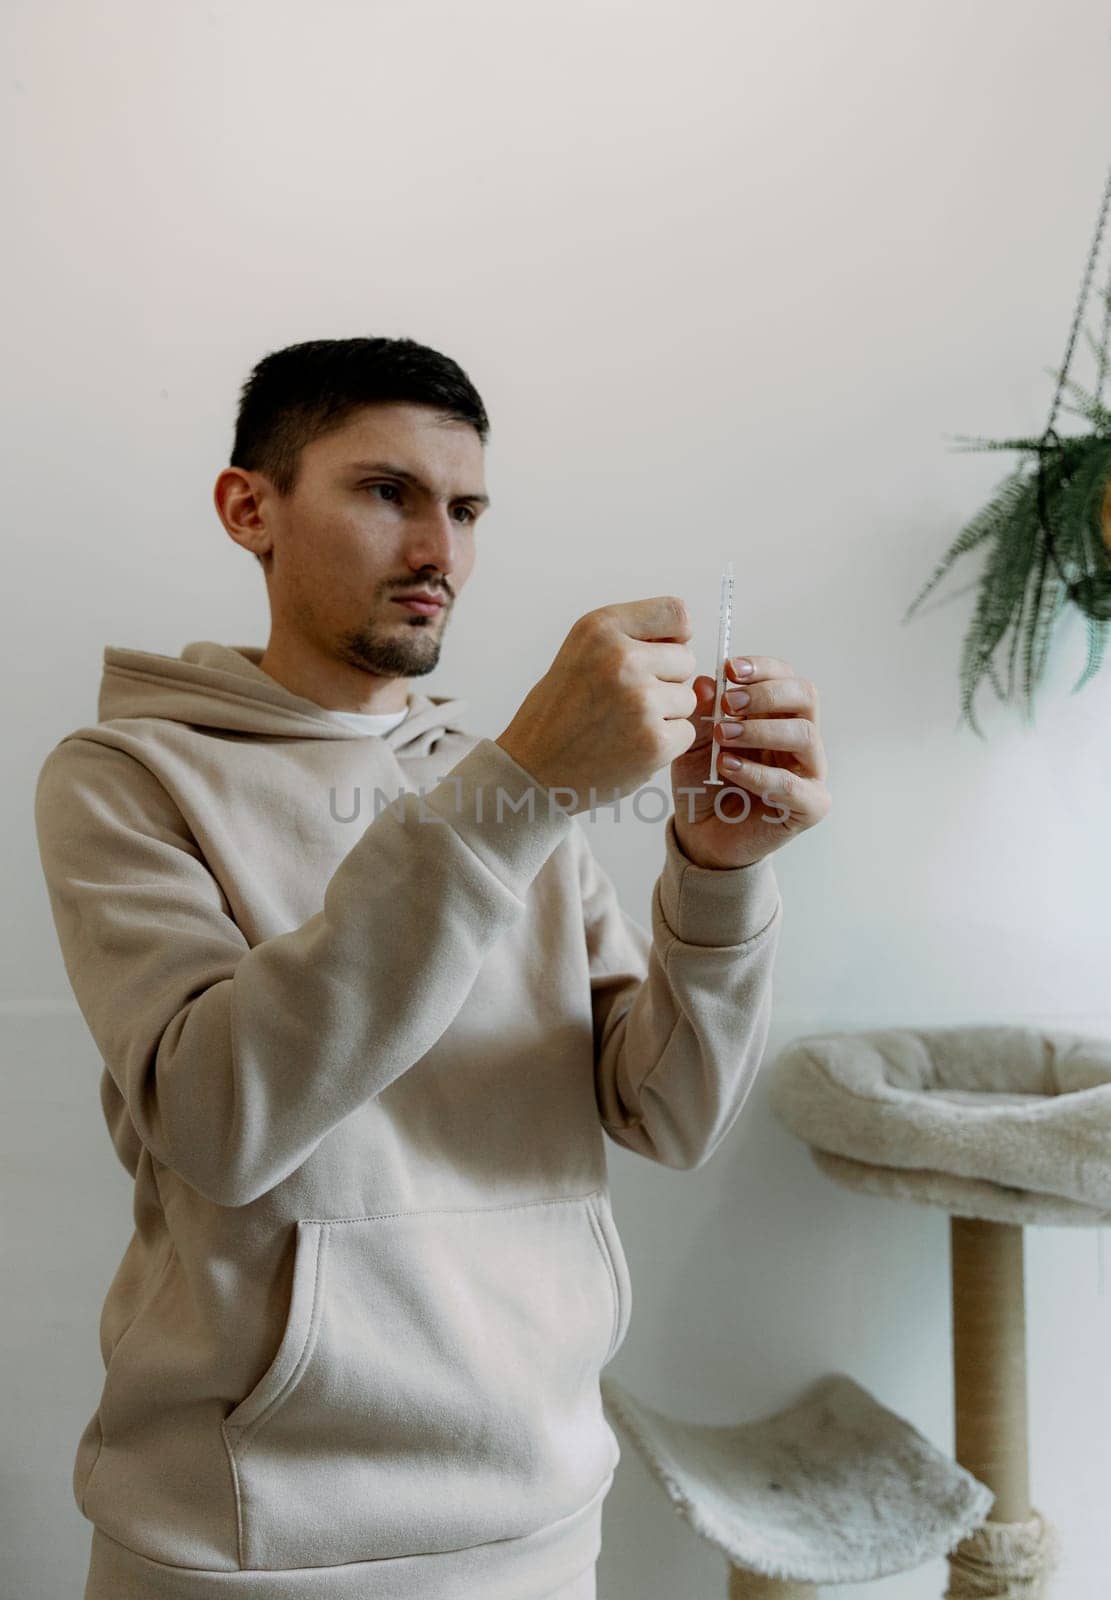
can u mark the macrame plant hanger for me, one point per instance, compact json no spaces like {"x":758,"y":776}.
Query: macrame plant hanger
{"x":1078,"y":590}
{"x":1048,"y":526}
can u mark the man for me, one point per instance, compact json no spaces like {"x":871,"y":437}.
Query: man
{"x":358,"y":1061}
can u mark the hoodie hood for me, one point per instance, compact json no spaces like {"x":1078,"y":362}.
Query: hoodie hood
{"x":213,"y":685}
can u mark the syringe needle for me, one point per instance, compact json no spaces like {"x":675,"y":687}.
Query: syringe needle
{"x":725,"y":637}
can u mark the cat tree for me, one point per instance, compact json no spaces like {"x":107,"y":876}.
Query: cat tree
{"x":1003,"y":1127}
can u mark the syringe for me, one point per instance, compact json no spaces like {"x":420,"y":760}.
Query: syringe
{"x":725,"y":635}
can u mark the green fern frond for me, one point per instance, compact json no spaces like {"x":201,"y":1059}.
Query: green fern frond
{"x":1088,"y":406}
{"x":1012,"y":653}
{"x":1097,"y":644}
{"x":1093,"y":343}
{"x":993,"y":677}
{"x":1002,"y":588}
{"x":1043,"y":527}
{"x":1035,"y":628}
{"x":990,"y":521}
{"x":1053,"y":602}
{"x":970,"y":442}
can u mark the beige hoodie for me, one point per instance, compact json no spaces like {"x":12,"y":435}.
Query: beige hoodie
{"x":360,"y":1066}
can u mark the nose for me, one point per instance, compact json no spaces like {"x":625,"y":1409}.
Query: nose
{"x":432,"y":542}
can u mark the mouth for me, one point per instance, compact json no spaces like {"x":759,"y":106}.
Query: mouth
{"x":424,"y":605}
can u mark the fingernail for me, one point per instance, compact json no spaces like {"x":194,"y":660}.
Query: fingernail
{"x":731,"y":728}
{"x":742,"y":666}
{"x":730,"y":763}
{"x":736,"y":698}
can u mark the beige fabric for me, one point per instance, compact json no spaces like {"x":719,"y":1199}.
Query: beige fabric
{"x":962,"y":1197}
{"x":835,"y":1488}
{"x":361,"y":1063}
{"x":1008,"y":1123}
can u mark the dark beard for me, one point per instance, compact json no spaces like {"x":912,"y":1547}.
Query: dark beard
{"x":409,"y":654}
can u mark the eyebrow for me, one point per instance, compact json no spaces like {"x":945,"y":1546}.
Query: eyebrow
{"x":409,"y":477}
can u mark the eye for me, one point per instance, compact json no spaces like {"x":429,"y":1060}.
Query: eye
{"x":468,"y":511}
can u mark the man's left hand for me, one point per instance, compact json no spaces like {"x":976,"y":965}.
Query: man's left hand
{"x":775,"y":790}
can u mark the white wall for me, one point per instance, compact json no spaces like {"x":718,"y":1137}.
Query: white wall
{"x":725,"y":274}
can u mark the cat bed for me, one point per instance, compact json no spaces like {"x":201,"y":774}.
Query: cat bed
{"x":1011,"y":1124}
{"x":832,"y":1489}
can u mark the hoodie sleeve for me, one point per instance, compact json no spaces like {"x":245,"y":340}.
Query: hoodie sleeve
{"x":681,"y":1015}
{"x":235,"y":1061}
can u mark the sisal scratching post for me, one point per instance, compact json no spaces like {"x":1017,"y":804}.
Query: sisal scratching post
{"x":755,"y":1586}
{"x":989,"y":1360}
{"x":1011,"y":1555}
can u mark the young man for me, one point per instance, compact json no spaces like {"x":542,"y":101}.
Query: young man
{"x":361,"y":1042}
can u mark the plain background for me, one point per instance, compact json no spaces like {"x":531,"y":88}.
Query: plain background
{"x":727,"y":276}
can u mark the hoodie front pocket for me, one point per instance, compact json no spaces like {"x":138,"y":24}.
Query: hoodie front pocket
{"x":436,"y":1385}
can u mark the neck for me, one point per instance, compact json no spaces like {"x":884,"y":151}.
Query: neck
{"x":335,"y":685}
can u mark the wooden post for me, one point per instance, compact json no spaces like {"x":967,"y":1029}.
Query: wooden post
{"x":744,"y":1585}
{"x":989,"y":1361}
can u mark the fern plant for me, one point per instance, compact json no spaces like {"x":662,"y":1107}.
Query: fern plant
{"x":1048,"y":532}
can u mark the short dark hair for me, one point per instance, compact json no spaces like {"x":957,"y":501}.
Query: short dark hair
{"x":306,"y":390}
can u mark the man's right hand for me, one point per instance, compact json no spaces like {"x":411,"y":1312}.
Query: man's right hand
{"x":612,"y":708}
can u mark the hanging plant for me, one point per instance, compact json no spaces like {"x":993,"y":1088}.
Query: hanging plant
{"x":1048,"y":527}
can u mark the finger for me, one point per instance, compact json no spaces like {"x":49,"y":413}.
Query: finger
{"x":706,"y":689}
{"x":761,"y":780}
{"x":677,"y":700}
{"x":663,"y":616}
{"x":703,"y":714}
{"x":762,"y":667}
{"x":797,"y":735}
{"x":776,"y":696}
{"x":671,"y":662}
